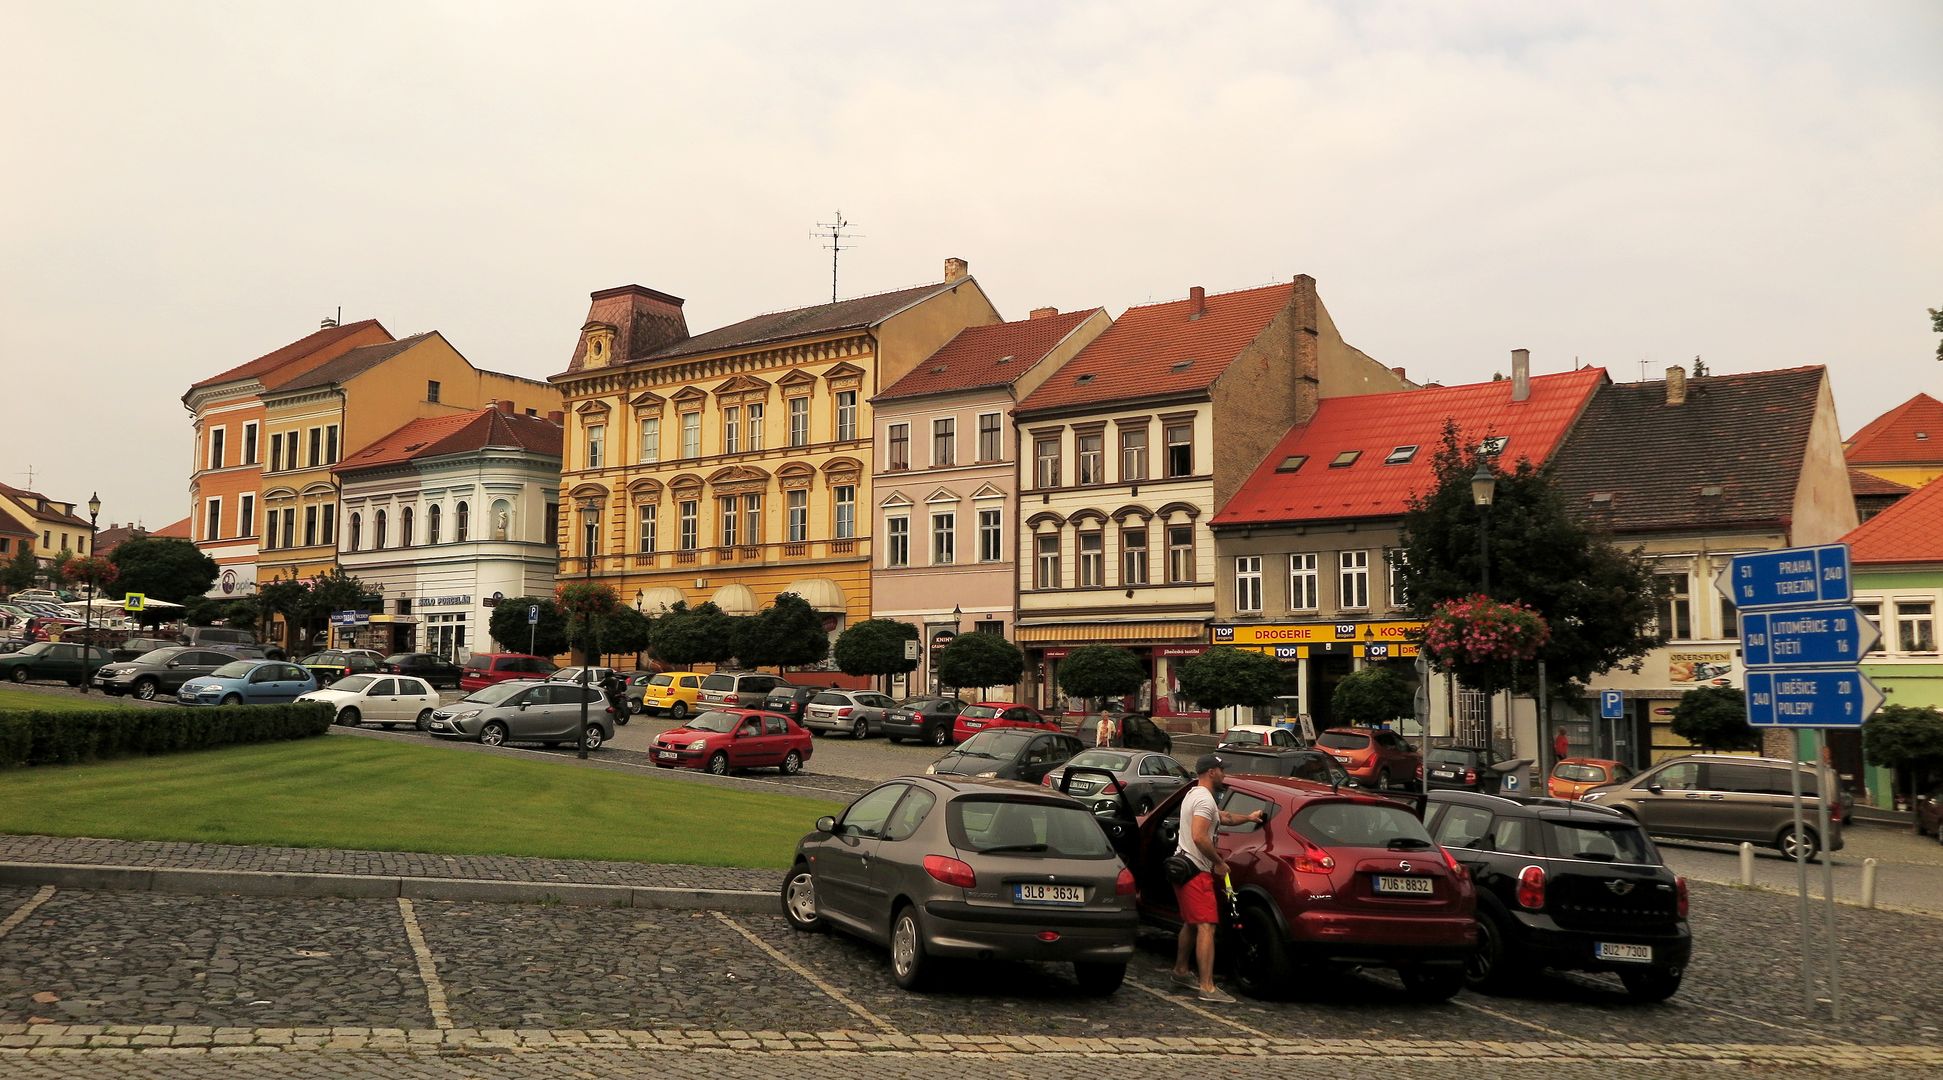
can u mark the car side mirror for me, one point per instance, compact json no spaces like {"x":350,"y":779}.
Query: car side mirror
{"x":523,"y":704}
{"x":827,"y":824}
{"x":1656,"y":789}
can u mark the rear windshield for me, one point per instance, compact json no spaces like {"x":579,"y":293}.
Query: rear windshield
{"x":1452,"y":757}
{"x":1246,"y":738}
{"x":719,"y":682}
{"x":979,"y":712}
{"x":1618,"y":842}
{"x":1343,"y":740}
{"x":662,"y":680}
{"x":479,"y":663}
{"x":1348,"y":824}
{"x":1589,"y":773}
{"x":1102,"y":759}
{"x":824,"y":699}
{"x":1004,"y":826}
{"x":998,"y":742}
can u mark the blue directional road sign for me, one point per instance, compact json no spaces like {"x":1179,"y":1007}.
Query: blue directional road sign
{"x":1789,"y":577}
{"x":1810,"y":698}
{"x":1806,"y":636}
{"x":1612,"y":704}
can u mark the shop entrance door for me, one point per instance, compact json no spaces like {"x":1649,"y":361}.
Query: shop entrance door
{"x":1325,"y":671}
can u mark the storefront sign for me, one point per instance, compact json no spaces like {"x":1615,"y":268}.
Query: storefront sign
{"x":1179,"y":650}
{"x":1376,"y":651}
{"x":462,"y":600}
{"x":941,"y":638}
{"x":1055,"y":654}
{"x":1705,"y":668}
{"x":1394,"y":631}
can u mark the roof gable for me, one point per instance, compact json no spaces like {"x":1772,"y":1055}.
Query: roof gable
{"x":987,"y":356}
{"x":347,"y":367}
{"x":1909,"y":531}
{"x":1393,"y":439}
{"x":777,"y":326}
{"x":1909,"y":434}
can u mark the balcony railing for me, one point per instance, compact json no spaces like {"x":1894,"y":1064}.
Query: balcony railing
{"x":738,"y":555}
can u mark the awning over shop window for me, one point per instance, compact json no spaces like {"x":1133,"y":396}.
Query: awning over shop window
{"x":735,"y":600}
{"x":654,"y":600}
{"x":1072,"y":633}
{"x":820,"y":593}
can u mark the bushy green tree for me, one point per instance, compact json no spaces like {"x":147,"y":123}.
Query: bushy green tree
{"x":1100,"y":671}
{"x":164,"y":568}
{"x":685,"y":636}
{"x":1225,"y":677}
{"x":626,"y":630}
{"x":1907,"y":738}
{"x":786,"y":632}
{"x":875,"y":647}
{"x":1372,"y":696}
{"x":21,"y":571}
{"x":510,"y":629}
{"x":979,"y":660}
{"x":1715,"y":718}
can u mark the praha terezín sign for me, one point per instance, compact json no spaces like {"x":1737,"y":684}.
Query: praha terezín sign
{"x":1801,"y":638}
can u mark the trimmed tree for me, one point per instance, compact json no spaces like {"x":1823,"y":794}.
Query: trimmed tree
{"x":1715,"y":718}
{"x":788,"y":631}
{"x":286,"y":597}
{"x":875,"y":647}
{"x":1100,"y":671}
{"x":164,"y":568}
{"x":980,"y":660}
{"x":509,"y":628}
{"x":686,"y":636}
{"x":1372,"y":696}
{"x":1907,"y":738}
{"x":626,"y":630}
{"x":587,"y":604}
{"x":1226,"y":677}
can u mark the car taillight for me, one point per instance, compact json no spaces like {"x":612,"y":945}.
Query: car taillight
{"x":1456,"y":868}
{"x":1112,"y":788}
{"x":1047,"y":782}
{"x":950,"y":871}
{"x":1420,"y":770}
{"x":1531,"y":888}
{"x":1470,"y":777}
{"x":1312,"y":859}
{"x":1123,"y":885}
{"x":843,"y":712}
{"x":1680,"y":895}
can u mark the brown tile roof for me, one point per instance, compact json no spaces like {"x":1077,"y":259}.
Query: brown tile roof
{"x":1657,"y":465}
{"x":349,"y":366}
{"x":11,"y":526}
{"x":174,"y":530}
{"x":40,"y":507}
{"x":1909,"y":434}
{"x":1158,"y":350}
{"x":1375,"y":425}
{"x":1864,"y":484}
{"x":981,"y":356}
{"x":297,"y":349}
{"x":457,"y":433}
{"x":112,"y":537}
{"x":800,"y":322}
{"x":1909,"y":531}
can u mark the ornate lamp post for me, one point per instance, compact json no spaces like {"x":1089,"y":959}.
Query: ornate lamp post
{"x":1484,"y":490}
{"x":87,"y":619}
{"x":590,"y":519}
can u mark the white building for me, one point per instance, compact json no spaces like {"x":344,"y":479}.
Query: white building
{"x":446,"y":515}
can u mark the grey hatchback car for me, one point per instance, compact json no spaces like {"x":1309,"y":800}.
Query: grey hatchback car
{"x":526,"y":710}
{"x":1144,"y":777}
{"x":952,"y":867}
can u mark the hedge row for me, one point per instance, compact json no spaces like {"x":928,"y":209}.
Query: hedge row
{"x":30,"y":737}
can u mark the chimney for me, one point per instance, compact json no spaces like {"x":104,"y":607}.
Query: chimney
{"x":1676,"y":385}
{"x":505,"y":406}
{"x":1044,"y":312}
{"x":1197,"y":302}
{"x":1521,"y":374}
{"x":1398,"y":372}
{"x":956,"y":269}
{"x":557,"y":417}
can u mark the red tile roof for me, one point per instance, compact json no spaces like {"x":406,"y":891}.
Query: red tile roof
{"x":11,"y":526}
{"x":457,"y":433}
{"x":42,"y":508}
{"x":1909,"y":434}
{"x":1377,"y":424}
{"x":981,"y":356}
{"x":297,"y":349}
{"x":1157,"y":350}
{"x":1909,"y":531}
{"x":174,"y":530}
{"x":1861,"y":483}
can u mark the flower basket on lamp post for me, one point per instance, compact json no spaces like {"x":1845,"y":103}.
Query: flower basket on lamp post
{"x":1479,"y":640}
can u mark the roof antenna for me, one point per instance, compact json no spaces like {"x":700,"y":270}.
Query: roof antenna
{"x":1642,"y":371}
{"x":29,"y":474}
{"x":329,"y":321}
{"x":833,"y":236}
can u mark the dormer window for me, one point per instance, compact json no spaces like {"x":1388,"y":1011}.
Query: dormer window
{"x":1402,"y":455}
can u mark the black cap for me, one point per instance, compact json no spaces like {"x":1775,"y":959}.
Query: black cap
{"x":1208,"y":761}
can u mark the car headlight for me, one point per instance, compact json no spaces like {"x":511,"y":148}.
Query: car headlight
{"x":467,"y":715}
{"x":1592,"y":796}
{"x":698,"y":744}
{"x":987,"y":775}
{"x":930,"y":770}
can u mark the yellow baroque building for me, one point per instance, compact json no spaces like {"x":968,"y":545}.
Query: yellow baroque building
{"x":734,"y":465}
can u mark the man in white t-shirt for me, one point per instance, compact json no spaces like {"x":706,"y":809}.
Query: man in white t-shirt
{"x":1195,"y":899}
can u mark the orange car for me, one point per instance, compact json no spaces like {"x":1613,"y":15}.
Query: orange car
{"x":1574,"y":776}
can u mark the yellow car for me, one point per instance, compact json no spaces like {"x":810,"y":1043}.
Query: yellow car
{"x":672,"y":692}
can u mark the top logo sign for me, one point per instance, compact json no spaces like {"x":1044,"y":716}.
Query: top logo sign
{"x":1790,"y":577}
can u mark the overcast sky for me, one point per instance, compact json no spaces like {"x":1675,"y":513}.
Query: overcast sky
{"x":185,"y":186}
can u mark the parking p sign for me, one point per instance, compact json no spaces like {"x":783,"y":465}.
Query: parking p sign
{"x":533,"y":615}
{"x":1612,"y":705}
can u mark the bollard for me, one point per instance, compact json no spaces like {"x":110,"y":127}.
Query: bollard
{"x":1868,"y":883}
{"x":1747,"y":865}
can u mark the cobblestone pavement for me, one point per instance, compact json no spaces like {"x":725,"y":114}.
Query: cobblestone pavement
{"x":137,"y":984}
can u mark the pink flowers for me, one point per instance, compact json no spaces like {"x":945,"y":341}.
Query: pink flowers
{"x":1477,"y":630}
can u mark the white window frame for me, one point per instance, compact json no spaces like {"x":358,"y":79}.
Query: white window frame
{"x":1181,"y":568}
{"x":799,"y":420}
{"x":212,"y":517}
{"x":996,"y":438}
{"x":1093,"y":474}
{"x":1353,"y":580}
{"x":991,"y":534}
{"x":845,"y":496}
{"x":1395,"y":560}
{"x":944,"y":537}
{"x":728,"y":520}
{"x":1248,"y":584}
{"x":732,"y":429}
{"x":650,"y":449}
{"x":691,"y":433}
{"x":246,"y":514}
{"x":846,"y":426}
{"x":797,"y":516}
{"x":252,"y":443}
{"x":689,"y":523}
{"x":647,"y":526}
{"x":754,"y":416}
{"x":1305,"y":581}
{"x":944,"y":432}
{"x":1090,"y":558}
{"x":1924,"y":623}
{"x":897,"y":541}
{"x":596,"y":435}
{"x":1046,"y":569}
{"x":218,"y":444}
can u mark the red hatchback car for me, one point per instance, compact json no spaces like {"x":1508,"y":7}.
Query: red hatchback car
{"x":990,"y":714}
{"x":719,"y":740}
{"x":1334,"y":877}
{"x":1378,"y":758}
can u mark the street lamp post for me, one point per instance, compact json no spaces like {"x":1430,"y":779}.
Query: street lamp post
{"x":87,"y":620}
{"x":1484,"y":491}
{"x":590,"y":518}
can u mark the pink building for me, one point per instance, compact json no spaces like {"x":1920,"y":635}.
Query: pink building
{"x":945,"y":479}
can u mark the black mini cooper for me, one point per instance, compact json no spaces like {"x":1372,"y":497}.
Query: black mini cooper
{"x":1565,"y":885}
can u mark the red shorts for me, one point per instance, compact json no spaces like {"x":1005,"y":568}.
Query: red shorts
{"x":1196,"y":899}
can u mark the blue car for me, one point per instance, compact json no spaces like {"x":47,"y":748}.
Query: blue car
{"x":248,"y":682}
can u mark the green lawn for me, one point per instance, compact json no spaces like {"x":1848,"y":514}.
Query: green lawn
{"x":12,"y":700}
{"x":346,"y":792}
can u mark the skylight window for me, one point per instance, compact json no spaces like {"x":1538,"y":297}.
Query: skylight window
{"x":1345,"y":459}
{"x":1401,"y":455}
{"x":1292,"y":463}
{"x":1181,"y":365}
{"x":1084,"y":379}
{"x":1493,"y":445}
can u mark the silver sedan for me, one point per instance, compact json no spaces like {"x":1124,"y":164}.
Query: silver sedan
{"x":1143,"y":778}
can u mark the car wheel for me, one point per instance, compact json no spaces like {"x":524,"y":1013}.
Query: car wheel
{"x":1383,"y":780}
{"x":940,"y":735}
{"x":799,"y":900}
{"x":1805,"y":847}
{"x":594,"y":738}
{"x":1432,"y":983}
{"x":232,"y":699}
{"x":18,"y":674}
{"x":678,"y":710}
{"x":425,"y":720}
{"x":1261,"y":962}
{"x":1490,"y":967}
{"x":719,"y":764}
{"x":145,"y":689}
{"x":493,"y":734}
{"x":909,"y":966}
{"x":792,"y":763}
{"x":1099,"y":980}
{"x":860,"y":729}
{"x":1651,"y":984}
{"x":349,"y":717}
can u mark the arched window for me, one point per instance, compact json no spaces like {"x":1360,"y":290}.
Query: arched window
{"x":378,"y":533}
{"x":405,"y":527}
{"x":357,"y":532}
{"x":502,"y":519}
{"x":432,"y":524}
{"x":461,"y":529}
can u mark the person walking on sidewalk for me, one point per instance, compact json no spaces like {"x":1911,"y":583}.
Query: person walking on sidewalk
{"x":1199,"y":912}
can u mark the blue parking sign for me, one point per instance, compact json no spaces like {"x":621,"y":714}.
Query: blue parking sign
{"x":532,"y":614}
{"x":1612,"y":705}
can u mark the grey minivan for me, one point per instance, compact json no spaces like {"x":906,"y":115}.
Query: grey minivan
{"x":1724,"y":797}
{"x":527,"y":710}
